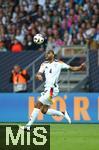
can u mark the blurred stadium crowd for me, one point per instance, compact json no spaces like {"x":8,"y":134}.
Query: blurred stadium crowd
{"x":63,"y":22}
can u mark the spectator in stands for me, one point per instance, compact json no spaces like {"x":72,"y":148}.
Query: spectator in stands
{"x":19,"y":78}
{"x":29,"y":43}
{"x":51,"y":18}
{"x":2,"y":46}
{"x":80,"y":37}
{"x":67,"y":38}
{"x":19,"y":35}
{"x":50,"y":44}
{"x":16,"y":47}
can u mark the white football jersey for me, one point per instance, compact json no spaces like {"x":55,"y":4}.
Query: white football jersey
{"x":52,"y":72}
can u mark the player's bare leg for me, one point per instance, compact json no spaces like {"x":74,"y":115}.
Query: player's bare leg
{"x":46,"y":110}
{"x":33,"y":117}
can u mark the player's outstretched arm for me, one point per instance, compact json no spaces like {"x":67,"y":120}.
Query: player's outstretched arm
{"x":39,"y":76}
{"x":78,"y":68}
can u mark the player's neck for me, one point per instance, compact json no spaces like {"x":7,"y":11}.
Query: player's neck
{"x":50,"y":61}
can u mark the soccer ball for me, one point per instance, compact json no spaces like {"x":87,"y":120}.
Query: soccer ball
{"x":89,"y":33}
{"x":38,"y":39}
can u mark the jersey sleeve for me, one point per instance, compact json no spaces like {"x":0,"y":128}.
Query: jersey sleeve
{"x":64,"y":66}
{"x":42,"y":68}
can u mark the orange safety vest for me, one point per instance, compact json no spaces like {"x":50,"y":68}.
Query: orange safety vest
{"x":18,"y":78}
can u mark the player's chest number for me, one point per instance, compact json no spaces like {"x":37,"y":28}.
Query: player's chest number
{"x":50,"y":71}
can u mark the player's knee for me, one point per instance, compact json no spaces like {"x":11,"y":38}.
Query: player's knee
{"x":44,"y":110}
{"x":38,"y":105}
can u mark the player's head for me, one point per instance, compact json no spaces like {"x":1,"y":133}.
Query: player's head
{"x":49,"y":55}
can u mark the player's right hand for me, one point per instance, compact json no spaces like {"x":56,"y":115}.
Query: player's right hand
{"x":39,"y":77}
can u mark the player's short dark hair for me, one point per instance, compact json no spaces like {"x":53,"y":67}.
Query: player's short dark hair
{"x":51,"y":51}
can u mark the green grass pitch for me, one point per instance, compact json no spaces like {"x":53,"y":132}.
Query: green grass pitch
{"x":74,"y":137}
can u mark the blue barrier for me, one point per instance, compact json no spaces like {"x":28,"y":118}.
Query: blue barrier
{"x":82,"y":107}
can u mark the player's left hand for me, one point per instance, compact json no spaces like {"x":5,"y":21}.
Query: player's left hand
{"x":83,"y":66}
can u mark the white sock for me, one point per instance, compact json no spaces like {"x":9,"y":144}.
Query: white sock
{"x":33,"y":117}
{"x":54,"y":112}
